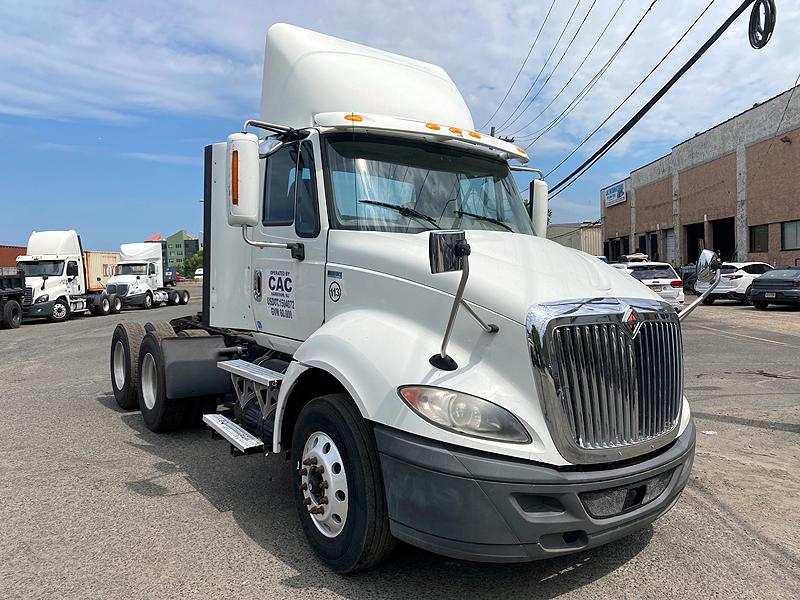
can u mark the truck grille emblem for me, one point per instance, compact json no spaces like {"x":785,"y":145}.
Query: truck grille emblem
{"x":631,"y":321}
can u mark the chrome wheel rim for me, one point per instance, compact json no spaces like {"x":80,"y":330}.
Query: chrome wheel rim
{"x":59,"y":310}
{"x":323,"y":482}
{"x":119,"y":364}
{"x":149,"y":381}
{"x":106,"y":306}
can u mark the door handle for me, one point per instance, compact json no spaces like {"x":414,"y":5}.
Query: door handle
{"x":257,"y":281}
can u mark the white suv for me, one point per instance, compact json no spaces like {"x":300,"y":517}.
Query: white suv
{"x":661,"y":278}
{"x":737,"y":279}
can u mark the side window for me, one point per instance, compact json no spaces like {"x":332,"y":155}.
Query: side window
{"x":151,"y":269}
{"x":306,"y":222}
{"x":72,"y":269}
{"x":280,"y":186}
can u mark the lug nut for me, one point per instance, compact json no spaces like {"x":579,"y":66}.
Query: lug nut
{"x":317,"y":510}
{"x":307,"y":501}
{"x":310,"y":461}
{"x":303,"y":487}
{"x":323,"y":500}
{"x":324,"y":485}
{"x":303,"y":472}
{"x":319,"y":470}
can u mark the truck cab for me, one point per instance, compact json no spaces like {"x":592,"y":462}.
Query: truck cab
{"x":54,"y":275}
{"x":138,"y":278}
{"x":384,"y":308}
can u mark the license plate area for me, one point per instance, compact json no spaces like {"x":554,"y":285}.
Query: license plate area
{"x":657,"y":288}
{"x":603,"y":504}
{"x":769,"y":294}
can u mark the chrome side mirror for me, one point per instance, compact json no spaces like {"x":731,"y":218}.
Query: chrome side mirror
{"x":708,"y":271}
{"x":449,"y":251}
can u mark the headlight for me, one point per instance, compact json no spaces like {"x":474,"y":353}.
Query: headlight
{"x":42,"y":298}
{"x":465,"y":414}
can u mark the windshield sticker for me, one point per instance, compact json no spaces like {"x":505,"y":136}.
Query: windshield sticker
{"x":280,"y":293}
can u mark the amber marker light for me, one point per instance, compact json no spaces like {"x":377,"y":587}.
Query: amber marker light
{"x":456,"y":130}
{"x":433,"y":126}
{"x":354,"y":118}
{"x":235,"y":178}
{"x":475,"y":134}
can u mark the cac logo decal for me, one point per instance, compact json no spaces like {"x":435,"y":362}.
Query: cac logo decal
{"x":334,"y":291}
{"x":280,"y":294}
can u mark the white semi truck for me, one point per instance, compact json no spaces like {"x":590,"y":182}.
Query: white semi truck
{"x":139,"y":278}
{"x":62,"y":280}
{"x":379,"y":307}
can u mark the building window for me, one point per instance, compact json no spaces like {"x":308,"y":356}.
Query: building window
{"x":790,"y":235}
{"x":759,"y":238}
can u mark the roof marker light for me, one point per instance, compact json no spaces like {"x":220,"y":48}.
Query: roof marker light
{"x":475,"y":134}
{"x":433,"y":126}
{"x":520,"y":150}
{"x":456,"y":130}
{"x":355,"y":118}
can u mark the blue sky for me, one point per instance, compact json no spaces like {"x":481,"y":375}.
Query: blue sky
{"x":105,"y":107}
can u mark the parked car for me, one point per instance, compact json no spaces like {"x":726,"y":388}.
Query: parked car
{"x":180,"y":278}
{"x":736,"y":283}
{"x":198,"y":274}
{"x":777,"y":286}
{"x":661,"y":278}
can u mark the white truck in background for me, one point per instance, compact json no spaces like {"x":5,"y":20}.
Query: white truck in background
{"x":379,"y":307}
{"x":62,"y":279}
{"x":138,"y":278}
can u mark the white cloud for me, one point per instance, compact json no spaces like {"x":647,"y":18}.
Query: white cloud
{"x":131,"y":60}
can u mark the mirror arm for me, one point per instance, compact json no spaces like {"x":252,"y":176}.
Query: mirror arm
{"x":687,"y":311}
{"x":298,"y":250}
{"x":264,"y":125}
{"x":487,"y":327}
{"x":454,"y":309}
{"x":527,"y":170}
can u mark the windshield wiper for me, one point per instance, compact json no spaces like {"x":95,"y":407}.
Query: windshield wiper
{"x":404,"y":210}
{"x":483,"y":218}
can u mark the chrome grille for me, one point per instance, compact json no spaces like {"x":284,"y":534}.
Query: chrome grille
{"x":614,"y":390}
{"x":28,"y":298}
{"x":608,"y":391}
{"x":117,"y":288}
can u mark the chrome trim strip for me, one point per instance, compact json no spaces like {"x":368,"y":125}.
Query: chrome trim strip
{"x":609,"y":391}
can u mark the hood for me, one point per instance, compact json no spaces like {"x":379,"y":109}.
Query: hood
{"x":509,"y":272}
{"x":129,"y":279}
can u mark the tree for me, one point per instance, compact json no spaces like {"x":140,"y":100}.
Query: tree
{"x":191,"y":264}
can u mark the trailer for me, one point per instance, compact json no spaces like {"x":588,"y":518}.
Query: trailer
{"x":12,"y":297}
{"x":379,"y":308}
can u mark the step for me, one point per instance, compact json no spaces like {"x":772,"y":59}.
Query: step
{"x":244,"y":441}
{"x":248,"y":370}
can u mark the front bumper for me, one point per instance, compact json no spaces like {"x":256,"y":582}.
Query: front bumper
{"x":41,"y":309}
{"x":483,"y":507}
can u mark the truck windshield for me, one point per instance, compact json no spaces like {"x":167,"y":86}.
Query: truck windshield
{"x":130,"y":269}
{"x":37,"y":268}
{"x":427,"y":186}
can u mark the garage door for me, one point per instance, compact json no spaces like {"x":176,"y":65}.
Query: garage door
{"x":669,"y":245}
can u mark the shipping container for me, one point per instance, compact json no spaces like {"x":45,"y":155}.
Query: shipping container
{"x":99,"y":268}
{"x":9,"y":254}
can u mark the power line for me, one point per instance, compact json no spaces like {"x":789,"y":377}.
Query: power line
{"x":574,"y":73}
{"x":552,"y":72}
{"x":524,"y":62}
{"x":646,"y":77}
{"x":539,"y":74}
{"x":588,"y":163}
{"x":592,"y":82}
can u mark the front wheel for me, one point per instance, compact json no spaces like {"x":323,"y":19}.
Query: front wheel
{"x":60,"y":311}
{"x":148,"y":301}
{"x":708,"y":301}
{"x":183,"y":296}
{"x":338,"y":485}
{"x":115,"y":304}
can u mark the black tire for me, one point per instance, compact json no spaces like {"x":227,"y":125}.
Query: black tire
{"x":115,"y":304}
{"x":173,"y":299}
{"x":184,"y":296}
{"x":12,"y":315}
{"x":162,"y":327}
{"x":193,"y":333}
{"x":365,"y":540}
{"x":103,"y":307}
{"x":708,"y":301}
{"x":748,"y":296}
{"x":125,"y":363}
{"x":760,"y":305}
{"x":147,"y":303}
{"x":61,"y":311}
{"x":159,"y":413}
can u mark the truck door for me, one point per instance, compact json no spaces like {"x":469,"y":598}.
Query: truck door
{"x":287,"y":293}
{"x":74,"y":282}
{"x":152,"y":276}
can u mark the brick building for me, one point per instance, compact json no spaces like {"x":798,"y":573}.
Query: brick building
{"x":735,"y":187}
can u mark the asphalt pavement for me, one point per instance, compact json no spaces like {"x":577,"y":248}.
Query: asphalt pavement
{"x":94,"y":505}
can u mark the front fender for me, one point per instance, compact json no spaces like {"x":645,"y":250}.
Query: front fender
{"x":373,"y":352}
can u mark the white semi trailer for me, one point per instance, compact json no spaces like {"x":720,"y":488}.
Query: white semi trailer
{"x":379,"y":307}
{"x":139,"y":277}
{"x":62,"y":280}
